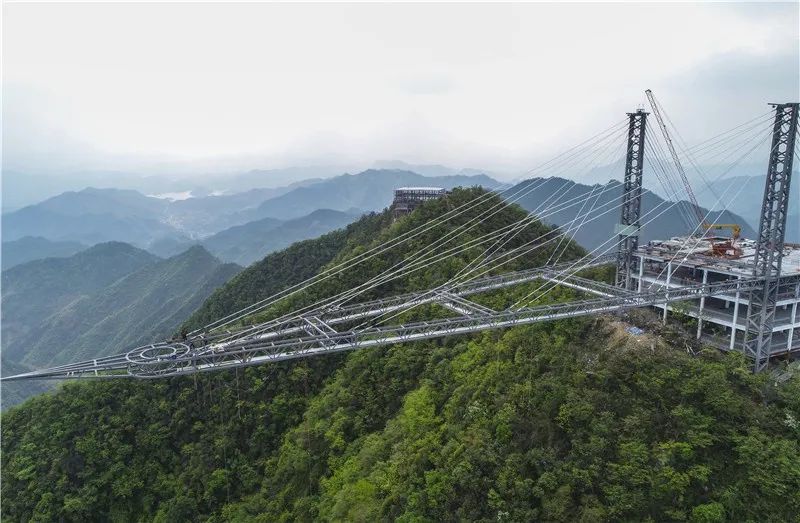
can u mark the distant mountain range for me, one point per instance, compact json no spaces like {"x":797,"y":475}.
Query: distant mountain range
{"x":245,"y":244}
{"x":76,"y":217}
{"x":666,"y":222}
{"x":100,"y":301}
{"x":22,"y":188}
{"x":35,"y":248}
{"x":370,"y":190}
{"x":745,"y":194}
{"x":92,"y":215}
{"x":241,"y":244}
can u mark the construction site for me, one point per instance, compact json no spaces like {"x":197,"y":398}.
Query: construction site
{"x":738,"y":294}
{"x":722,"y":319}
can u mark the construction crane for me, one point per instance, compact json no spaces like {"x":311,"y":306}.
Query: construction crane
{"x":729,"y":248}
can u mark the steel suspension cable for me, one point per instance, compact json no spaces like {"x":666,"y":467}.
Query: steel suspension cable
{"x":543,"y":294}
{"x":349,"y":263}
{"x":503,"y":240}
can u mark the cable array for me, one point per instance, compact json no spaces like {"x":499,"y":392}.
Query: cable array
{"x":494,"y":252}
{"x":508,"y":196}
{"x":568,"y":272}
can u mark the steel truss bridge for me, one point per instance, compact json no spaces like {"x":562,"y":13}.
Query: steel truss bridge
{"x":330,"y":329}
{"x":314,"y":333}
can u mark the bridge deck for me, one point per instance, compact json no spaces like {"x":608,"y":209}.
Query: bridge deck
{"x":313,"y":333}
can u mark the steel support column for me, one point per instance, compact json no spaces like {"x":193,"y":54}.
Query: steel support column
{"x":735,"y":320}
{"x":702,"y":307}
{"x":628,"y":228}
{"x":771,"y":232}
{"x":669,"y":279}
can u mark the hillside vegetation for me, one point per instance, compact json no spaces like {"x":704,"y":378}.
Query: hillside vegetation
{"x":37,"y":290}
{"x":568,"y":421}
{"x":102,"y":301}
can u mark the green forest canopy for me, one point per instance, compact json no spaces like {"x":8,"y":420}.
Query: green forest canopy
{"x":574,"y":420}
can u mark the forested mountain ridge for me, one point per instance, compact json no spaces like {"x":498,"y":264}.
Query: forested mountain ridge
{"x":371,"y":232}
{"x":142,"y":307}
{"x":51,"y":318}
{"x":567,"y":421}
{"x":35,"y":290}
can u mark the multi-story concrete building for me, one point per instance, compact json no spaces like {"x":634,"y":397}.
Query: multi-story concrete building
{"x":721,"y":320}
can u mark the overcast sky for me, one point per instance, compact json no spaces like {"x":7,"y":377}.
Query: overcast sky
{"x":152,"y":87}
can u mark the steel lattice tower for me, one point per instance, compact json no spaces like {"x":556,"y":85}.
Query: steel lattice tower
{"x":771,"y":231}
{"x":628,"y":228}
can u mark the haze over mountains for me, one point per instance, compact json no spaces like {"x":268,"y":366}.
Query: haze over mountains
{"x":31,"y":248}
{"x":745,"y":194}
{"x":23,"y":188}
{"x":226,"y":224}
{"x":94,"y":215}
{"x":245,"y":244}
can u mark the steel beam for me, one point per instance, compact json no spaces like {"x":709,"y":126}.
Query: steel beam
{"x":360,"y":311}
{"x":163,"y":360}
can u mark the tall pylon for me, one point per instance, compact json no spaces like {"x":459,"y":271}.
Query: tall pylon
{"x":771,"y":232}
{"x":628,"y":228}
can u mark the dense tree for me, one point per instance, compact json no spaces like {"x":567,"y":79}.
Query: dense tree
{"x":573,"y":420}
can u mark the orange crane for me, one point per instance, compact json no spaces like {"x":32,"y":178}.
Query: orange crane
{"x":728,"y":248}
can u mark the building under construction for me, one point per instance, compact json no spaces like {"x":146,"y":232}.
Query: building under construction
{"x":721,"y":320}
{"x":761,"y":322}
{"x":406,"y":199}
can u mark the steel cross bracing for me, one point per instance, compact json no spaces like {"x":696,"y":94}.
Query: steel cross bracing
{"x":628,"y":228}
{"x":341,"y":314}
{"x":175,"y":359}
{"x":460,"y":305}
{"x":771,"y":234}
{"x":333,"y":315}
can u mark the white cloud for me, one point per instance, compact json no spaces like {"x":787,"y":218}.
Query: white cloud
{"x":466,"y":84}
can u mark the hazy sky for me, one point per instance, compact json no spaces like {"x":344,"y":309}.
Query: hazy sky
{"x":152,"y":87}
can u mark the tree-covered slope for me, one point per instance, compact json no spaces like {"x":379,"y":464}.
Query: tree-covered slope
{"x":36,"y":290}
{"x":567,"y":421}
{"x":572,"y":421}
{"x":142,"y":307}
{"x":138,"y":307}
{"x":369,"y":234}
{"x":16,"y":393}
{"x":277,"y":271}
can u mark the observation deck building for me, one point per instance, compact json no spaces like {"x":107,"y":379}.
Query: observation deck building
{"x":406,"y":199}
